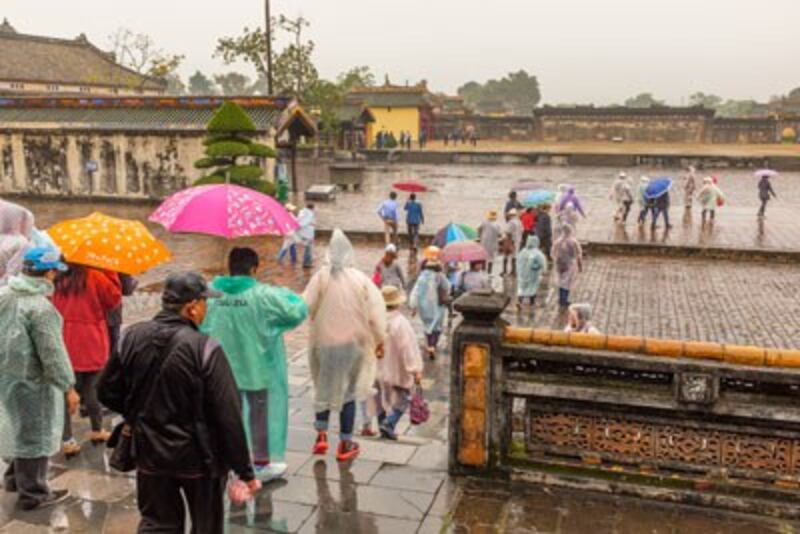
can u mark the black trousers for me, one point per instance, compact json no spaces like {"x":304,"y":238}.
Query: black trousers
{"x":162,"y":508}
{"x":28,"y":477}
{"x":86,"y":386}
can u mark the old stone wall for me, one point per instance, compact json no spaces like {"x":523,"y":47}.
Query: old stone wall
{"x":127,"y":164}
{"x":743,"y":131}
{"x":487,"y":127}
{"x":643,"y":129}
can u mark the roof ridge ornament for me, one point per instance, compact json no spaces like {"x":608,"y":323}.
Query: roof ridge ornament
{"x":6,"y":27}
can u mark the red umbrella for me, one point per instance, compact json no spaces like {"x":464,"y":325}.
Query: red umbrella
{"x":410,"y":186}
{"x":464,"y":251}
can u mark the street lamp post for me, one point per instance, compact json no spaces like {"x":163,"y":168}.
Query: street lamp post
{"x":269,"y":47}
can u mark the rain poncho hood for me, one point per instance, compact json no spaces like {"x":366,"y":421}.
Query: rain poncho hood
{"x":34,"y":370}
{"x":531,"y":263}
{"x":348,"y":321}
{"x":570,"y":198}
{"x":249,"y":321}
{"x":16,"y":230}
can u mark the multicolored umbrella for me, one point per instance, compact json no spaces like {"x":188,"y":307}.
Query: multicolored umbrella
{"x":109,"y":243}
{"x":658,"y":187}
{"x":224,"y":210}
{"x":454,"y":232}
{"x":410,"y":186}
{"x":537,"y":198}
{"x":464,"y":251}
{"x":769,"y":173}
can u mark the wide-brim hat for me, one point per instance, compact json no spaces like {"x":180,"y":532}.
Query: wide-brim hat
{"x":492,"y":215}
{"x":393,"y":296}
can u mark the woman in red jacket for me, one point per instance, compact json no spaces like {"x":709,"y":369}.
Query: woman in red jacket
{"x":84,"y":296}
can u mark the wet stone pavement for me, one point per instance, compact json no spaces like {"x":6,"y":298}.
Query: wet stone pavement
{"x":464,"y":193}
{"x":403,"y":487}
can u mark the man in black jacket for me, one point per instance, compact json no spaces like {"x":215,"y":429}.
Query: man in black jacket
{"x":188,"y":432}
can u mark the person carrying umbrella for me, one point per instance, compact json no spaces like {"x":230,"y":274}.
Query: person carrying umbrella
{"x":544,"y":229}
{"x":531,"y":263}
{"x":414,"y":219}
{"x":642,"y":201}
{"x":661,"y":207}
{"x":568,"y":259}
{"x":35,"y":378}
{"x":249,"y":320}
{"x":342,"y":352}
{"x":490,"y":232}
{"x":765,"y":192}
{"x":710,"y":197}
{"x":84,"y":297}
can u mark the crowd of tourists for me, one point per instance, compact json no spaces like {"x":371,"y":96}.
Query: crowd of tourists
{"x":202,"y":388}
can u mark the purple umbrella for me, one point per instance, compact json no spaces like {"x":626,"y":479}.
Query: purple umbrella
{"x":769,"y":173}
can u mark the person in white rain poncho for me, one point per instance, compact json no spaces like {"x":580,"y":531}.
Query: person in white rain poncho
{"x":641,"y":200}
{"x":622,"y":196}
{"x":348,"y":325}
{"x":567,"y":257}
{"x":580,"y":319}
{"x":710,"y":197}
{"x":531,"y":263}
{"x":35,"y":374}
{"x":16,"y":230}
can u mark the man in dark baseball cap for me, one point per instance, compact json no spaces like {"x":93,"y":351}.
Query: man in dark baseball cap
{"x":179,"y":399}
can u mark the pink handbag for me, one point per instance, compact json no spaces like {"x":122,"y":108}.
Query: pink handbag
{"x":419,"y":411}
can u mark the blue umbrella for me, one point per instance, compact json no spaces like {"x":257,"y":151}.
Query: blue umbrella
{"x":537,"y":198}
{"x":453,"y":233}
{"x":658,"y":187}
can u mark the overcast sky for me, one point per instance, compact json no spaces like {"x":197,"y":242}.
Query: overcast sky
{"x":581,"y":50}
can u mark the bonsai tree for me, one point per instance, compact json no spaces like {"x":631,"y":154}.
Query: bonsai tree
{"x":231,"y":154}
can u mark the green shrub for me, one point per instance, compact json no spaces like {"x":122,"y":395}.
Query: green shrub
{"x":227,"y":149}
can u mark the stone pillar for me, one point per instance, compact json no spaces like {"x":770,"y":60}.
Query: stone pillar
{"x":5,"y":178}
{"x":478,"y":417}
{"x":20,"y":181}
{"x":74,"y":169}
{"x":95,"y":181}
{"x":120,"y":147}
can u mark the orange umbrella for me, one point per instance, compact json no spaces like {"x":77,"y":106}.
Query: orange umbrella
{"x":109,"y":243}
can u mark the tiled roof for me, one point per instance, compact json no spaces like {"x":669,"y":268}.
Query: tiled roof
{"x":148,"y":117}
{"x":34,"y":59}
{"x":391,"y":96}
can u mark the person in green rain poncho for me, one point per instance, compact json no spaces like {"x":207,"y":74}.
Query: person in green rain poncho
{"x":249,"y":321}
{"x":35,"y":375}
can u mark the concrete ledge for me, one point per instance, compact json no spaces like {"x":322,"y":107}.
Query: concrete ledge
{"x":664,"y":348}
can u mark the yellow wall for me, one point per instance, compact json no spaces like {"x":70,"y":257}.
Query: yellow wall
{"x":395,"y":120}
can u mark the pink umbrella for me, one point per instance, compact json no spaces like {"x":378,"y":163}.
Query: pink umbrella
{"x":464,"y":251}
{"x":224,"y":210}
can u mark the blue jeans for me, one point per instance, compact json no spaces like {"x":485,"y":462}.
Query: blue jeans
{"x":347,"y":420}
{"x":292,"y":250}
{"x":307,"y":255}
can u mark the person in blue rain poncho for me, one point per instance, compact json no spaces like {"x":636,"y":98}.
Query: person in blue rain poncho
{"x":249,"y":321}
{"x":429,"y":299}
{"x":35,"y":375}
{"x":531,"y":263}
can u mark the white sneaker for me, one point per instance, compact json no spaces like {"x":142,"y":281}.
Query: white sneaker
{"x":268,"y":472}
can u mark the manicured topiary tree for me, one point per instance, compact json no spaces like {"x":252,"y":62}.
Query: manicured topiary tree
{"x":231,"y":154}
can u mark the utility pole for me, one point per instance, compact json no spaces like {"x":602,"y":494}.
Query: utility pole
{"x":269,"y":47}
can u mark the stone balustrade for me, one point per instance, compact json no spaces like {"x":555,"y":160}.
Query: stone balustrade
{"x":702,"y":423}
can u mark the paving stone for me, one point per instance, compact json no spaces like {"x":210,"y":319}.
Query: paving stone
{"x":410,"y":478}
{"x":381,"y":451}
{"x":361,"y":470}
{"x":93,"y":486}
{"x":262,"y":514}
{"x":324,"y":521}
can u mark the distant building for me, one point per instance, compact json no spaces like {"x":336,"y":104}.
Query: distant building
{"x":34,"y":65}
{"x":395,"y":109}
{"x":133,"y":147}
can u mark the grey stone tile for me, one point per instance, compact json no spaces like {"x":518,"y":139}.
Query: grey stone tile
{"x":94,"y":486}
{"x":360,"y":471}
{"x":296,"y":460}
{"x":383,"y":451}
{"x":295,"y":489}
{"x":20,"y":527}
{"x":446,"y":498}
{"x":394,"y":503}
{"x":264,"y":514}
{"x":347,"y":522}
{"x":431,"y":525}
{"x":408,"y":478}
{"x":432,"y":455}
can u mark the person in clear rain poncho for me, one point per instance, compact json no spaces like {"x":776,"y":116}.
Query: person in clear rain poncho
{"x":35,"y":374}
{"x":567,"y":256}
{"x":429,"y":299}
{"x":249,"y":321}
{"x":531,"y":263}
{"x":348,"y":325}
{"x":16,"y":230}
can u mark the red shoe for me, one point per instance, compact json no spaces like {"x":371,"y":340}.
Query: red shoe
{"x":367,"y":431}
{"x":321,"y":445}
{"x":348,"y":450}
